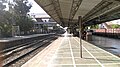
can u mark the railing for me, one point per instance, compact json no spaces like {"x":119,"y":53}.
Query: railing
{"x":107,"y":30}
{"x":113,"y":33}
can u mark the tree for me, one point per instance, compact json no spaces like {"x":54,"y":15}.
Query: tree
{"x":5,"y":21}
{"x":6,"y":29}
{"x":25,"y":24}
{"x":2,"y":7}
{"x":115,"y":26}
{"x":17,"y":16}
{"x":94,"y":26}
{"x":21,"y":9}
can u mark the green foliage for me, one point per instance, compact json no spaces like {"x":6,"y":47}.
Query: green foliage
{"x":5,"y":21}
{"x":18,"y":17}
{"x":94,"y":26}
{"x":22,"y":7}
{"x":115,"y":26}
{"x":6,"y":29}
{"x":25,"y":24}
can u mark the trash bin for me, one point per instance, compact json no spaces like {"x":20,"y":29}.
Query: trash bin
{"x":89,"y":36}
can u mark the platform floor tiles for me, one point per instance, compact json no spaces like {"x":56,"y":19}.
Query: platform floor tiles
{"x":65,"y":52}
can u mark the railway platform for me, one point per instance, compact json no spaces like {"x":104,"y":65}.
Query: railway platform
{"x":65,"y":52}
{"x":21,"y":37}
{"x":18,"y":40}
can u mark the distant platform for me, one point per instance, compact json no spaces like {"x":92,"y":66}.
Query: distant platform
{"x":20,"y":37}
{"x":65,"y":52}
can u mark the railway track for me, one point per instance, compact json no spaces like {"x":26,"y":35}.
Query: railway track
{"x":12,"y":55}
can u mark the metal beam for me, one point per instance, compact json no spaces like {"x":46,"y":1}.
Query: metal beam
{"x":74,"y":8}
{"x":56,"y":5}
{"x":108,"y":13}
{"x":102,"y":7}
{"x":96,"y":9}
{"x":66,"y":19}
{"x":53,"y":10}
{"x":47,"y":5}
{"x":103,"y":19}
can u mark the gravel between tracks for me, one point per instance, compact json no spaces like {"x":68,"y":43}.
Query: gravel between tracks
{"x":24,"y":59}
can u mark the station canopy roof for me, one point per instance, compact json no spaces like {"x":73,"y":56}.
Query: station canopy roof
{"x":66,"y":12}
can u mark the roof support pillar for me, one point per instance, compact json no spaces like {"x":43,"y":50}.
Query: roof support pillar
{"x":80,"y":33}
